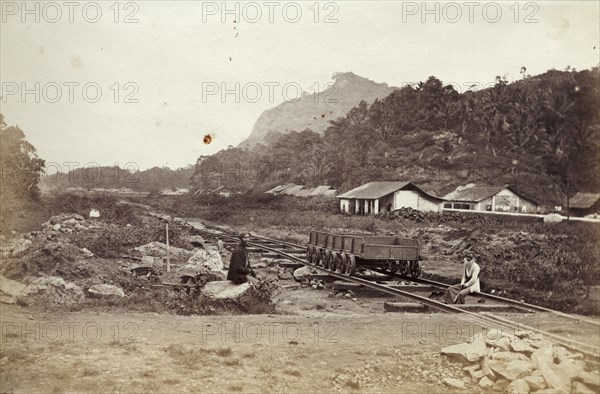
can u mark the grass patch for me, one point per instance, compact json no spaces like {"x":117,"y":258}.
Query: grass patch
{"x":224,"y":351}
{"x":352,"y":384}
{"x":192,"y":358}
{"x":89,"y":371}
{"x":128,"y":346}
{"x":147,"y":374}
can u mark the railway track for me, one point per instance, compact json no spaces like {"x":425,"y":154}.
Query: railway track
{"x":296,"y":253}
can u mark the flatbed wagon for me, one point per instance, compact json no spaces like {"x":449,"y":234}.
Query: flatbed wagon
{"x":345,"y":253}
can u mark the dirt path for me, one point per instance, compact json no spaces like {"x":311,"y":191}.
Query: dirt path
{"x":317,"y":351}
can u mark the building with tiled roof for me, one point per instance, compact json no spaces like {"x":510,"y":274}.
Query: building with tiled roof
{"x":489,"y":198}
{"x":381,"y":196}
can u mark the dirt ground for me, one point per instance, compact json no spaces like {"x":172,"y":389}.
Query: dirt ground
{"x":328,"y":345}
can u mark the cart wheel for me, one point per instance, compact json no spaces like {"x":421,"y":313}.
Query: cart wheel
{"x":343,"y":263}
{"x":416,"y":271}
{"x":351,"y":265}
{"x":326,"y":260}
{"x":339,"y":263}
{"x":332,"y":261}
{"x":314,"y":257}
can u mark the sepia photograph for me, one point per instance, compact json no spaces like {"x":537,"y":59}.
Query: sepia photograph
{"x":309,"y":196}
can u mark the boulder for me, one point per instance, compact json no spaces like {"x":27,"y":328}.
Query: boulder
{"x":104,"y":290}
{"x":51,"y":290}
{"x":10,"y":290}
{"x":500,"y":368}
{"x":454,"y":383}
{"x":518,"y":368}
{"x":470,"y":351}
{"x":535,"y":382}
{"x":86,"y":252}
{"x":570,"y":368}
{"x":553,"y":218}
{"x":501,"y":385}
{"x":580,"y":388}
{"x":204,"y":259}
{"x":225,"y":289}
{"x":521,"y":346}
{"x":543,"y":355}
{"x":196,"y":240}
{"x":518,"y":386}
{"x":20,"y":246}
{"x":508,"y":356}
{"x":159,"y":249}
{"x":80,"y":227}
{"x":285,"y":274}
{"x":486,"y":382}
{"x":555,"y":378}
{"x":590,"y":378}
{"x":302,"y":272}
{"x":485,"y":368}
{"x":502,"y":343}
{"x":147,"y":261}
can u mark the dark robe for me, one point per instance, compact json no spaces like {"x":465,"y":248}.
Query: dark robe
{"x":239,"y":267}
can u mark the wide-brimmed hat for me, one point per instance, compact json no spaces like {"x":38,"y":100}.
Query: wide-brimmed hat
{"x":243,"y":235}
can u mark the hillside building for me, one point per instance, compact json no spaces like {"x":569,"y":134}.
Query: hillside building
{"x":582,"y":204}
{"x":489,"y":198}
{"x":374,"y":197}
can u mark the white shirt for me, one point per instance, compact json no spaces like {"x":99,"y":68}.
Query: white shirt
{"x":471,"y":270}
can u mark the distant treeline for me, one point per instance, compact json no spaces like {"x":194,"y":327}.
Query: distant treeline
{"x":152,"y":180}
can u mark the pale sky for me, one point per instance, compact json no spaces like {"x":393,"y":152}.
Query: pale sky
{"x":178,"y":49}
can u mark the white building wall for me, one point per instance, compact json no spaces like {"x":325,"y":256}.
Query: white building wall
{"x":415,"y":200}
{"x":506,"y":201}
{"x":427,"y":204}
{"x":345,"y":205}
{"x":406,"y":199}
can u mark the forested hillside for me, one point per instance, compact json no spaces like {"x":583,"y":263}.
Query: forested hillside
{"x":540,"y":133}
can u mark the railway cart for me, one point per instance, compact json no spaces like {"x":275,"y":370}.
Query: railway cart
{"x":345,"y":253}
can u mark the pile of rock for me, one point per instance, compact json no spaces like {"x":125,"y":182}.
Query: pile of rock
{"x":15,"y":247}
{"x":523,"y":363}
{"x":66,"y":223}
{"x":51,"y":290}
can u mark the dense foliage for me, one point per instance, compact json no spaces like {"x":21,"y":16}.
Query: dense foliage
{"x":21,"y":169}
{"x":541,"y":133}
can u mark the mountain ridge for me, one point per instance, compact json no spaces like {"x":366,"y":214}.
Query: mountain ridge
{"x":314,"y":111}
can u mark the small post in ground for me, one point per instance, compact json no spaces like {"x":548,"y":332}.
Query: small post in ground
{"x":168,"y":254}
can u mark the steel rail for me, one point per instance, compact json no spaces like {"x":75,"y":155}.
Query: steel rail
{"x":485,"y":320}
{"x":517,"y":304}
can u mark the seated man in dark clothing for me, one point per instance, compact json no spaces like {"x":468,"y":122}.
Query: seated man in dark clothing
{"x":239,"y":265}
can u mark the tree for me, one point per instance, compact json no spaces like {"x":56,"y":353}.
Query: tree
{"x":21,"y":167}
